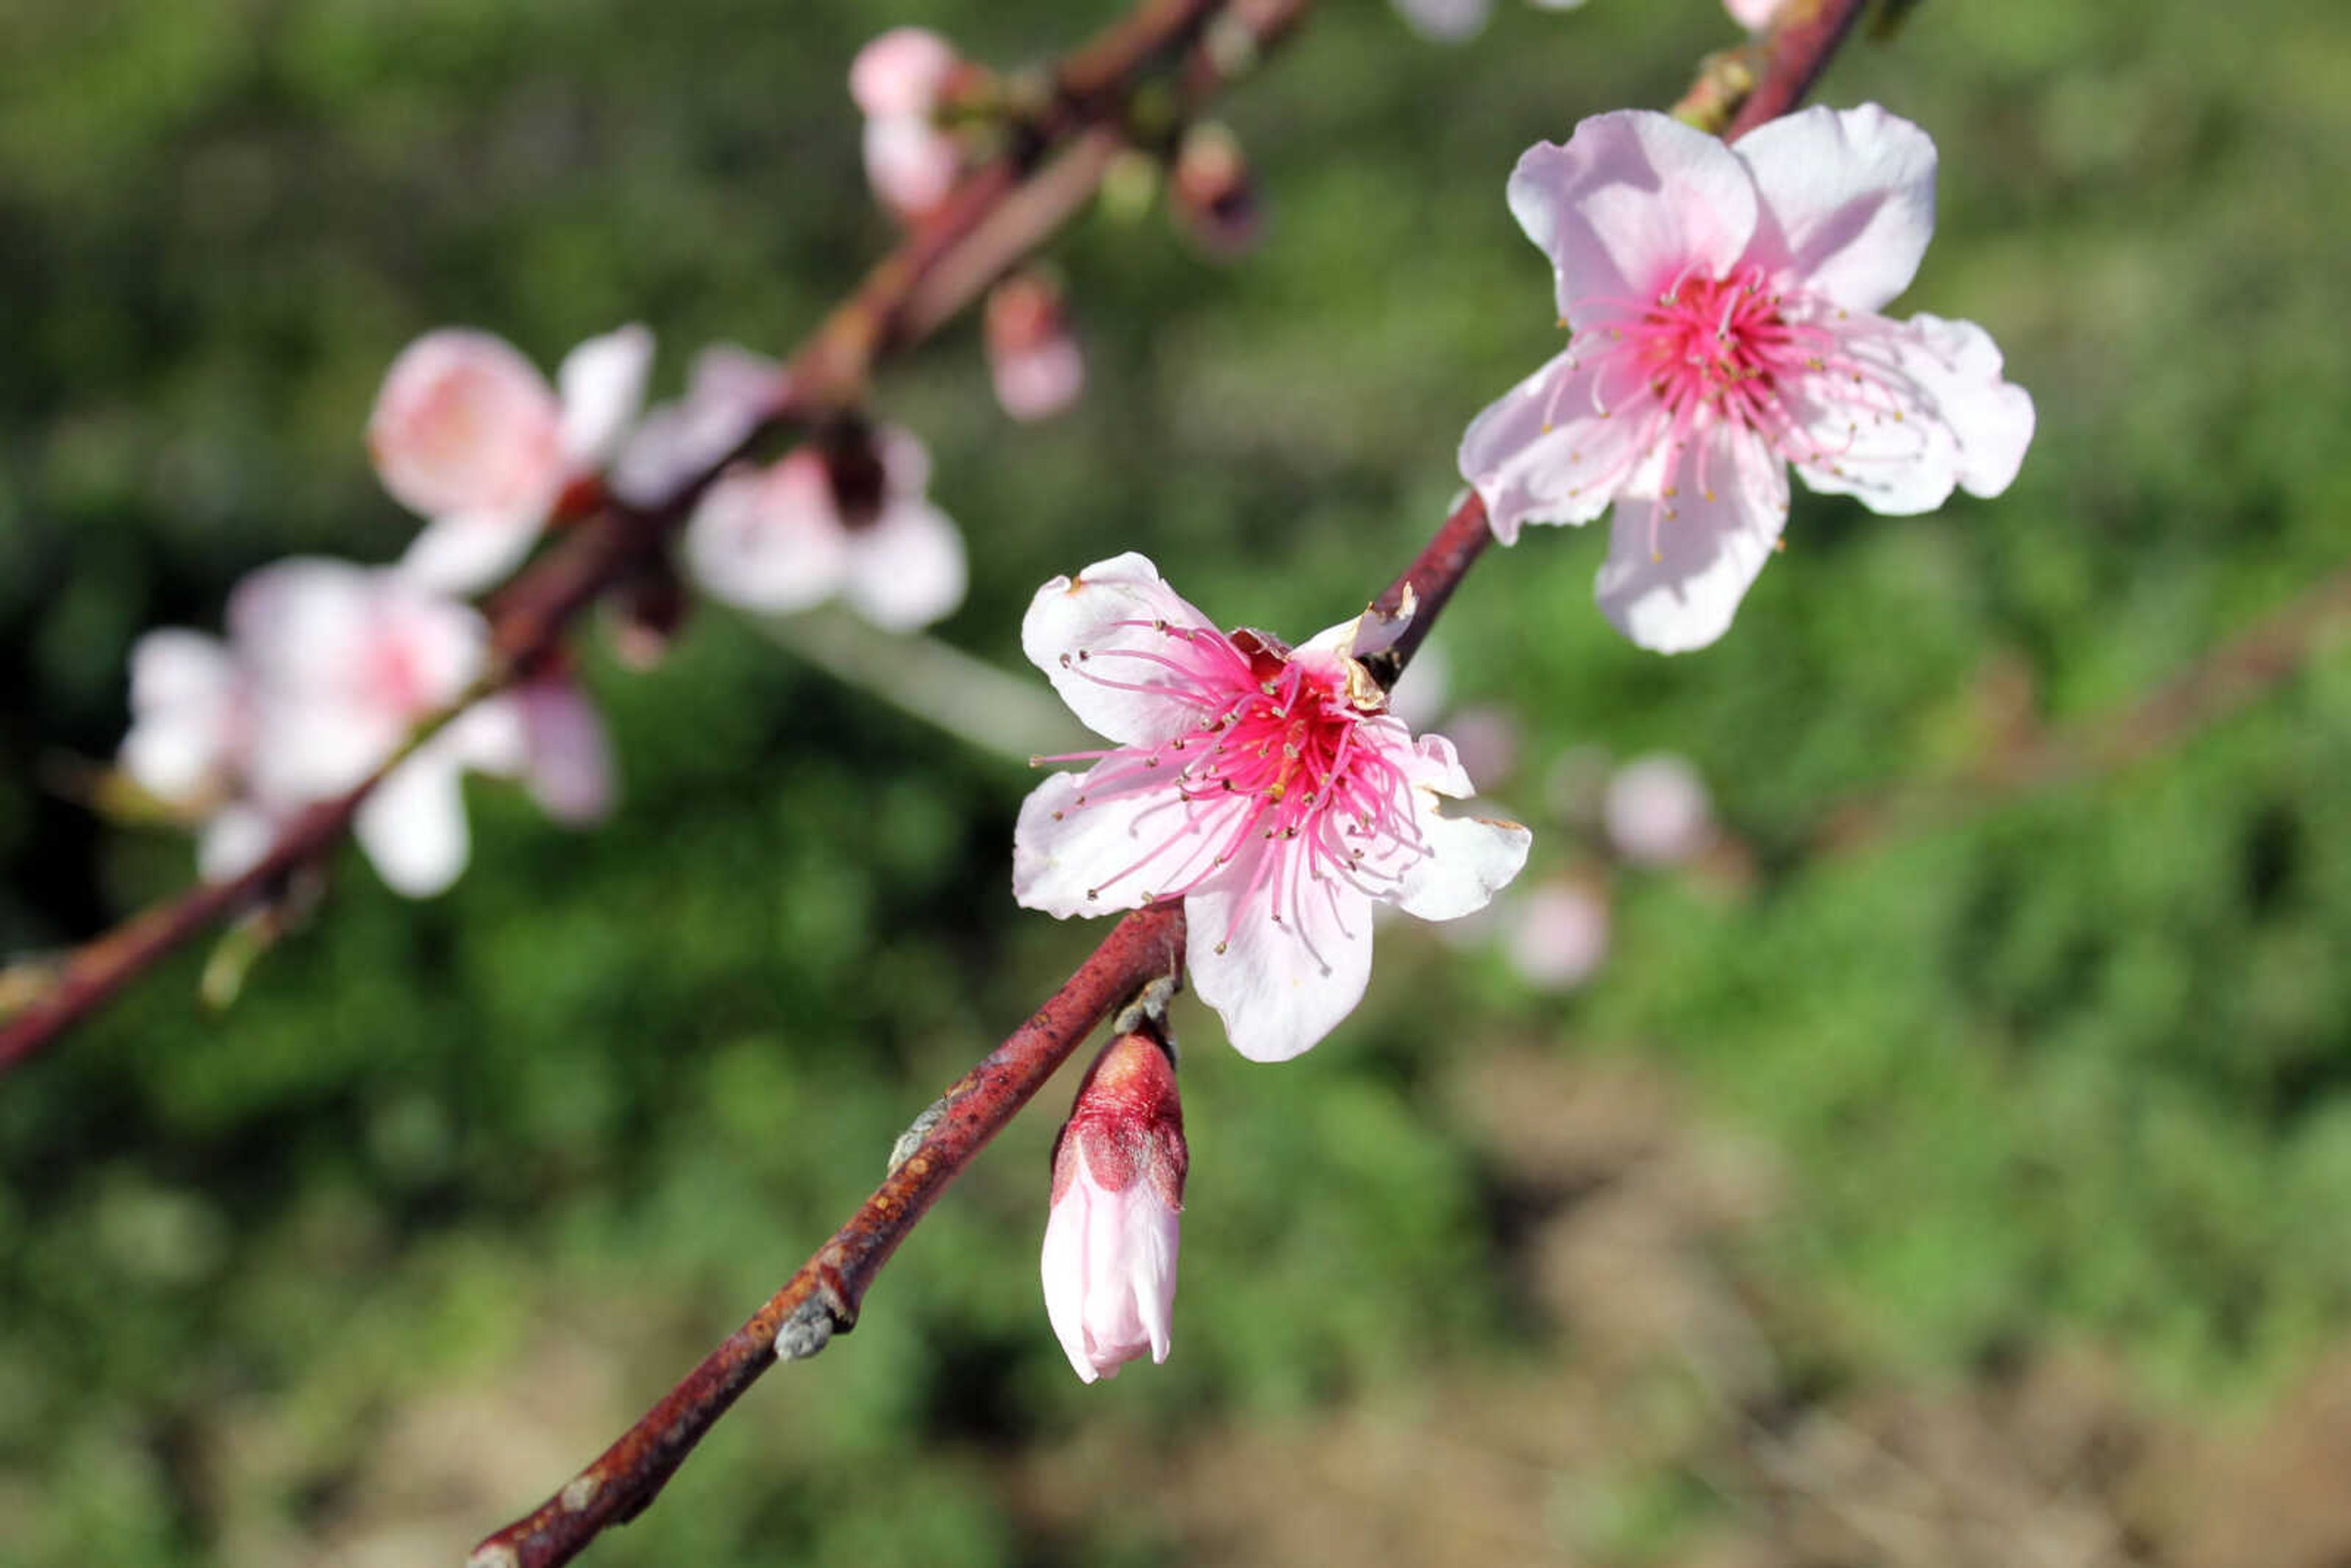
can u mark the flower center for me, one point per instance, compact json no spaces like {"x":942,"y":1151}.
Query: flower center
{"x":1278,"y":772}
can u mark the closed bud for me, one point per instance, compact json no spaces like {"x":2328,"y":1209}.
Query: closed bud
{"x":1213,"y":194}
{"x":1109,"y":1261}
{"x":1034,"y":362}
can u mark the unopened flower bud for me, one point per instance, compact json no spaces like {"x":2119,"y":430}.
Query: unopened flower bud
{"x":1035,"y":362}
{"x":1213,"y":194}
{"x":1108,"y":1259}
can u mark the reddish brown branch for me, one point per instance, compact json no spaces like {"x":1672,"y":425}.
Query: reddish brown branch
{"x":995,"y":217}
{"x":824,"y":1297}
{"x":1801,"y":41}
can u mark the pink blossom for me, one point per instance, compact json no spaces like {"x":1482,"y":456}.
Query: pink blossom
{"x":1108,"y":1259}
{"x":327,"y":670}
{"x":896,"y":79}
{"x":781,"y":538}
{"x":1557,"y":935}
{"x":1457,"y":21}
{"x":1656,"y":810}
{"x":1722,"y":306}
{"x":469,"y":435}
{"x":1268,"y":787}
{"x":1752,"y":15}
{"x":1032,"y":358}
{"x":729,"y":393}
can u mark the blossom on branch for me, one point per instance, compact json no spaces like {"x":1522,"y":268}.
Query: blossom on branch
{"x":850,"y":517}
{"x":1032,"y":358}
{"x":1270,"y":788}
{"x":1722,"y":305}
{"x":327,"y":671}
{"x":1108,"y":1258}
{"x":896,"y":79}
{"x":469,"y":435}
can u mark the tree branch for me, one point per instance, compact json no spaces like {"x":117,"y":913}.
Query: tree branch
{"x":995,"y":217}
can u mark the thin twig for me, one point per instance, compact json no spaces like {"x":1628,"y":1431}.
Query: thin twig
{"x":823,"y":1298}
{"x":949,"y":257}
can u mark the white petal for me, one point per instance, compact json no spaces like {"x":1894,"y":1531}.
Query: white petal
{"x":602,"y":385}
{"x":291,"y":621}
{"x":1119,"y":833}
{"x":1445,"y":21}
{"x":906,"y":568}
{"x":1278,"y":987}
{"x":233,"y":842}
{"x":184,"y":730}
{"x":1848,"y":200}
{"x":769,"y":540}
{"x":470,"y":551}
{"x":1679,"y":565}
{"x":1113,"y":614}
{"x":901,"y":71}
{"x":1633,"y":200}
{"x":1064,"y":1267}
{"x":1930,"y":411}
{"x":911,"y":166}
{"x":1552,"y":451}
{"x":412,"y":826}
{"x":1470,"y":860}
{"x":491,"y":737}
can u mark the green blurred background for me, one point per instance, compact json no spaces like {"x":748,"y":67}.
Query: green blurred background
{"x":1974,"y":1191}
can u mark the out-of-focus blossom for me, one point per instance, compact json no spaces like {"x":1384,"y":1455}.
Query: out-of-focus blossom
{"x":1108,"y":1258}
{"x":803,"y":529}
{"x":1213,"y":194}
{"x":1557,"y":935}
{"x":1267,"y":787}
{"x":1458,"y":21}
{"x":1656,"y":810}
{"x":1752,"y":15}
{"x":1722,"y":304}
{"x":469,"y":435}
{"x":896,"y":79}
{"x":1035,"y":362}
{"x":327,"y":670}
{"x":1486,"y":738}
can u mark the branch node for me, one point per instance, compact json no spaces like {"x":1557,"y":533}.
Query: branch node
{"x":810,"y":1328}
{"x":496,"y":1554}
{"x":1150,"y":1004}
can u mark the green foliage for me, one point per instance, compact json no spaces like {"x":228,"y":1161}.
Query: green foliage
{"x":2072,"y":1067}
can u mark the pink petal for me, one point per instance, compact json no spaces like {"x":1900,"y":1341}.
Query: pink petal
{"x":1063,"y":1266}
{"x":1752,"y":15}
{"x":569,"y":755}
{"x":1446,"y":21}
{"x":1677,"y":566}
{"x":769,"y":540}
{"x":466,"y":423}
{"x":1041,"y":382}
{"x":1848,"y":202}
{"x":1278,"y":987}
{"x":1933,"y":414}
{"x":1545,"y":453}
{"x":906,"y":568}
{"x":1632,"y":201}
{"x":603,"y":383}
{"x":910,"y":161}
{"x":1656,"y":810}
{"x":1111,"y":613}
{"x":184,"y":730}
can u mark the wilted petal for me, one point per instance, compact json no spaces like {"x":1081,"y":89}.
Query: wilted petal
{"x":1848,"y":200}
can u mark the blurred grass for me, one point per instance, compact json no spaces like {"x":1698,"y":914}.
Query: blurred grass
{"x":478,"y":1177}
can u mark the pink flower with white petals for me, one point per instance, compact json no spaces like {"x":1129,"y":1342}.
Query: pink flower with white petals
{"x":896,"y":79}
{"x":1722,"y":305}
{"x":784,"y":538}
{"x":327,"y":670}
{"x":1108,"y":1259}
{"x":469,"y":435}
{"x":1268,"y":787}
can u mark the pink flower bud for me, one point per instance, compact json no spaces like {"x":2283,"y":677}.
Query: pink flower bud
{"x":896,"y":81}
{"x":1213,"y":194}
{"x":1752,"y":15}
{"x":1033,"y":360}
{"x":1109,"y":1261}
